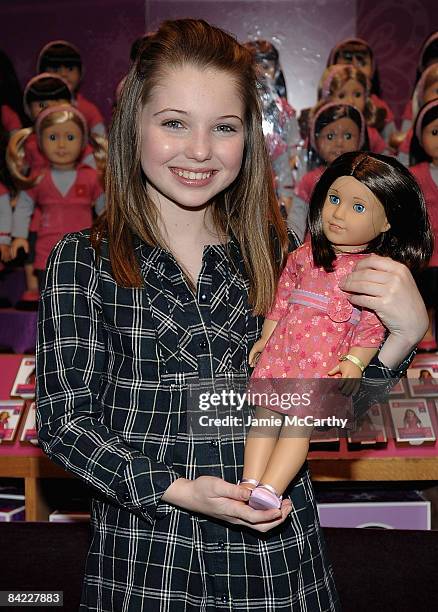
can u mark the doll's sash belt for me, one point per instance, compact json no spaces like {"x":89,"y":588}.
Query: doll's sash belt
{"x":320,"y":302}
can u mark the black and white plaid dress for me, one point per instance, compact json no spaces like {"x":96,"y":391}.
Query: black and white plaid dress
{"x":112,"y":368}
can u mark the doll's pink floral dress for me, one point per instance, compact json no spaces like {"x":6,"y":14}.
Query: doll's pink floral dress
{"x":316,"y":322}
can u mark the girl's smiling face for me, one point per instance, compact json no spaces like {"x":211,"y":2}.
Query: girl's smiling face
{"x":340,"y":136}
{"x":352,"y":216}
{"x":351,"y":93}
{"x":192,"y":136}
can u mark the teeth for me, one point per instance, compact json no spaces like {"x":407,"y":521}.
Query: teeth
{"x":193,"y":176}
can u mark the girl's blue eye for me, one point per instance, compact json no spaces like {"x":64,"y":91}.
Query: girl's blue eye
{"x":359,"y":208}
{"x":173,"y":124}
{"x":334,"y":199}
{"x":225,"y":128}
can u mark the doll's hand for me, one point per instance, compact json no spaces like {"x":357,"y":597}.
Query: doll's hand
{"x":223,"y":501}
{"x":350,"y":374}
{"x":254,"y":353}
{"x":5,"y":252}
{"x":19,"y":243}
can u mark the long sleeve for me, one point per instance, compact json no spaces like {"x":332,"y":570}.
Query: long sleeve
{"x":369,"y":332}
{"x":5,"y":218}
{"x":22,"y":214}
{"x":71,"y":358}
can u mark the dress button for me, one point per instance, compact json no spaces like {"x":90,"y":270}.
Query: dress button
{"x":224,"y":598}
{"x":126,"y":497}
{"x":221,"y":544}
{"x":203,"y":344}
{"x":214,"y":442}
{"x":203,"y":298}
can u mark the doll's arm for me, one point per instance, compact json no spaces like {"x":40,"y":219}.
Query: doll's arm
{"x":5,"y":219}
{"x":99,"y":204}
{"x":22,"y":214}
{"x":268,"y":328}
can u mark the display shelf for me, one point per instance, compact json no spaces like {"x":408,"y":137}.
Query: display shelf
{"x":22,"y":460}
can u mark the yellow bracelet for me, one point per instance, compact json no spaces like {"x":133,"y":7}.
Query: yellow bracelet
{"x":354,"y":360}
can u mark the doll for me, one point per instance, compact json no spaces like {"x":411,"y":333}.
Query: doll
{"x":334,"y":129}
{"x":428,"y":56}
{"x":64,"y":59}
{"x":358,"y":53}
{"x":65,"y":192}
{"x":5,"y":223}
{"x":11,"y":110}
{"x":425,"y":91}
{"x":363,"y":203}
{"x":280,"y":126}
{"x":348,"y":85}
{"x":424,"y":167}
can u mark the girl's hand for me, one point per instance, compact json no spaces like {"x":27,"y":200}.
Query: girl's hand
{"x":19,"y":243}
{"x":5,"y":252}
{"x":387,"y":287}
{"x":255,"y":352}
{"x":351,"y":375}
{"x":223,"y":501}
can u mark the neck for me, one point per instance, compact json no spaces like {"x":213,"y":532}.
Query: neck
{"x":349,"y":249}
{"x":64,"y":167}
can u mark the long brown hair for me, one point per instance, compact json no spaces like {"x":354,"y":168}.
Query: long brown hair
{"x":247,"y":209}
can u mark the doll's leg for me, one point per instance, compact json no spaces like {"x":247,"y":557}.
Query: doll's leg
{"x":286,"y":459}
{"x":259,"y":445}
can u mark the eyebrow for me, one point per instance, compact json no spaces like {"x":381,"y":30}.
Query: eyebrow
{"x":182,"y":112}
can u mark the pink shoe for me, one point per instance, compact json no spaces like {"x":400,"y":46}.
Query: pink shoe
{"x":246,"y":481}
{"x":264,"y":497}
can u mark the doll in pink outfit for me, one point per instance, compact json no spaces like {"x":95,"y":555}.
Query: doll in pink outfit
{"x":334,"y":129}
{"x":424,"y":167}
{"x":65,"y":192}
{"x":363,"y":203}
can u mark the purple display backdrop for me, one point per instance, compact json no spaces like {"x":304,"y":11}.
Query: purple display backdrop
{"x":304,"y":32}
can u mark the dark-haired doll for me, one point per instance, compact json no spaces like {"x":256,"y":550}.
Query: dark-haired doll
{"x":364,"y":203}
{"x":334,"y":129}
{"x":11,"y":109}
{"x":63,"y":58}
{"x":424,"y":167}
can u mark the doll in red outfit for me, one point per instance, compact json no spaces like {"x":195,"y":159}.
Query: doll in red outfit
{"x":63,"y":58}
{"x":358,"y":53}
{"x":65,"y":192}
{"x":363,"y":203}
{"x":348,"y":85}
{"x":424,"y":167}
{"x":334,"y":129}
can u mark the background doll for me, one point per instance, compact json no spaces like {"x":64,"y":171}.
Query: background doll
{"x":5,"y":223}
{"x":428,"y":56}
{"x":348,"y":85}
{"x":425,"y":91}
{"x":424,"y":167}
{"x":65,"y":192}
{"x":358,"y":53}
{"x":363,"y":203}
{"x":334,"y":129}
{"x":11,"y":107}
{"x":280,"y":126}
{"x":63,"y":58}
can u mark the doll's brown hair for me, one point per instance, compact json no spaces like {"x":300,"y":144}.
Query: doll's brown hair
{"x":247,"y":209}
{"x":50,"y":116}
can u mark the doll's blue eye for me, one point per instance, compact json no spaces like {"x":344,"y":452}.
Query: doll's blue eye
{"x":334,"y":199}
{"x":359,"y":208}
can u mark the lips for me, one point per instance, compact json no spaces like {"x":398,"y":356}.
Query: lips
{"x":194,"y":176}
{"x":335,"y":228}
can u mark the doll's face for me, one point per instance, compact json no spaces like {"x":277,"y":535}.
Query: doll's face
{"x":430,"y":93}
{"x":429,"y":140}
{"x":192,"y":136}
{"x":352,"y":216}
{"x":351,"y":93}
{"x":71,"y":74}
{"x":336,"y":138}
{"x":39,"y":105}
{"x":62,"y":144}
{"x":267,"y":68}
{"x":357,"y":56}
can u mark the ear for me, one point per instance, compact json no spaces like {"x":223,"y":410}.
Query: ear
{"x":386,"y":226}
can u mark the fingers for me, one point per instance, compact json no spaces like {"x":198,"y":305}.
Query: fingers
{"x":230,"y":491}
{"x":264,"y":520}
{"x":334,"y":371}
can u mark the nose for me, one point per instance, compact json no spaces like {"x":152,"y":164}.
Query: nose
{"x":339,"y":212}
{"x":198,"y":145}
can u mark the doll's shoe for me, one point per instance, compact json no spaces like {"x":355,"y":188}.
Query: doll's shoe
{"x":248,"y":481}
{"x":265,"y":497}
